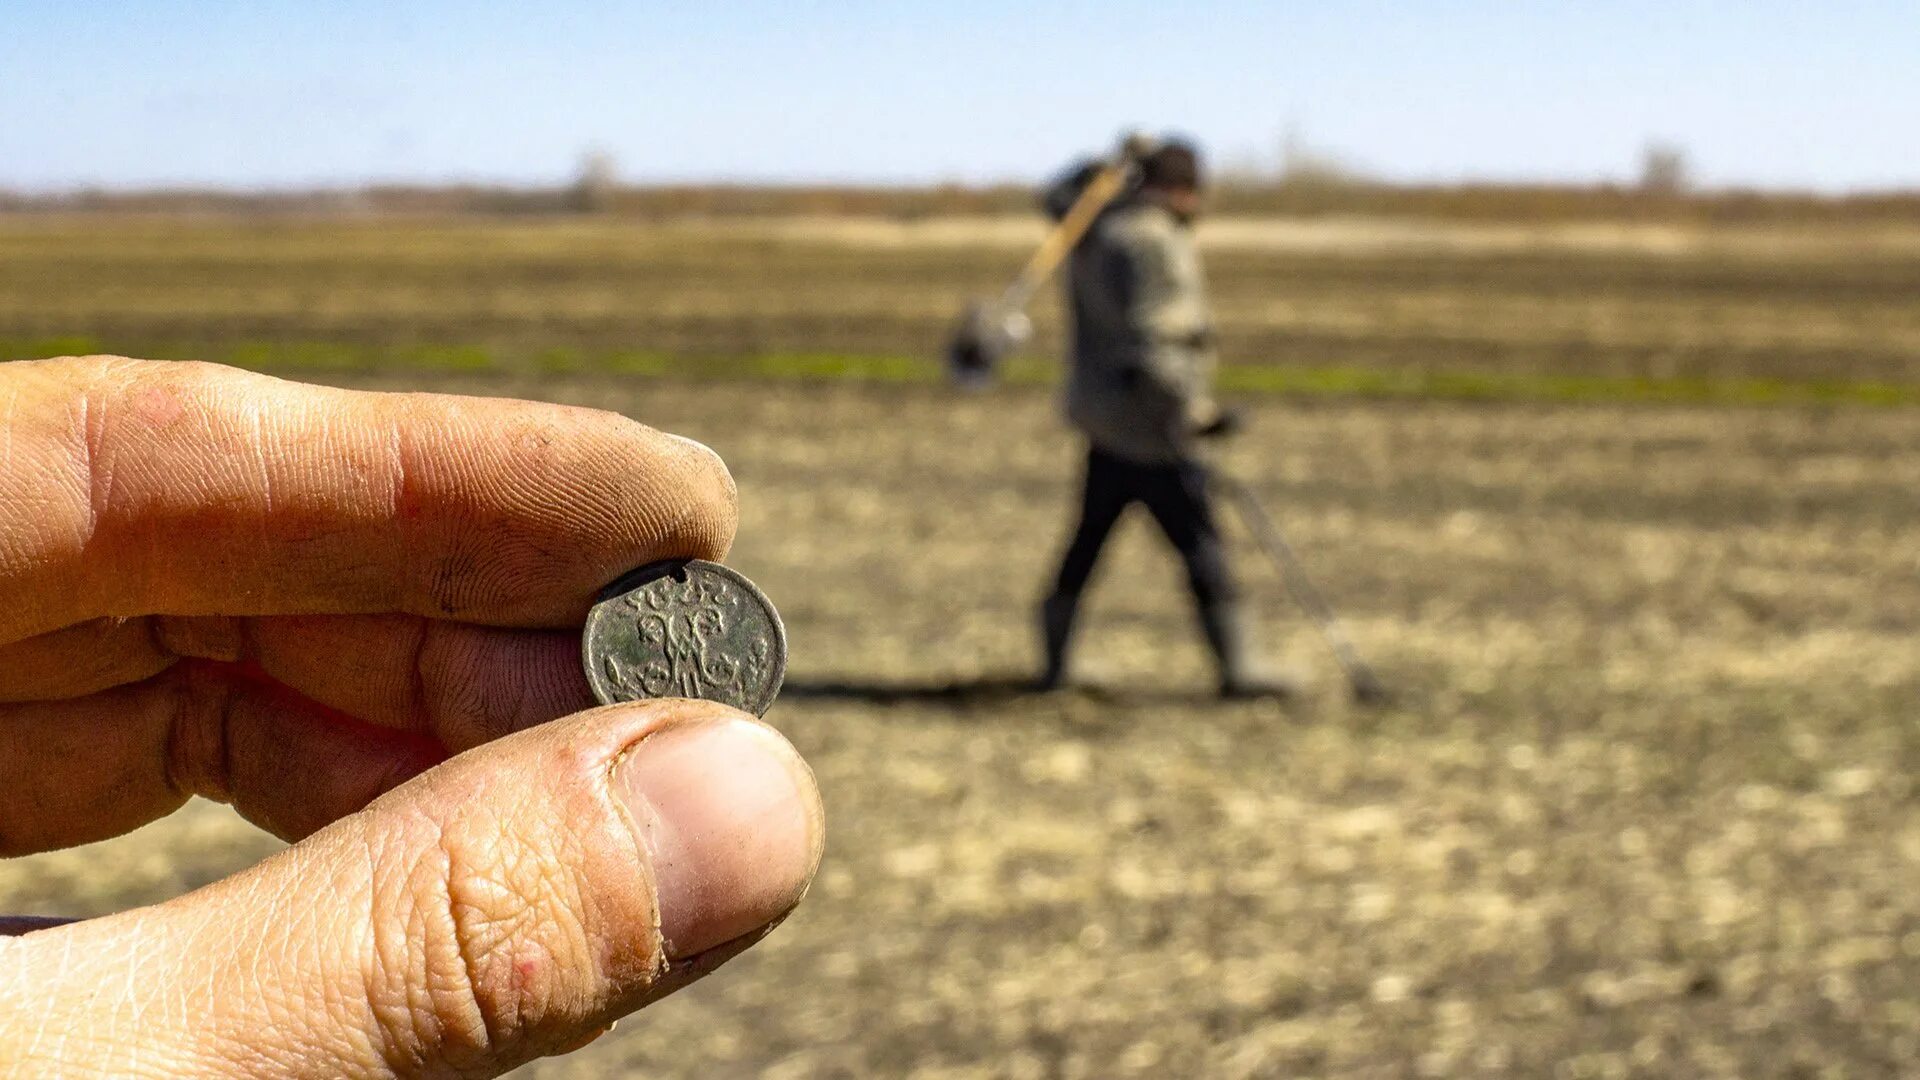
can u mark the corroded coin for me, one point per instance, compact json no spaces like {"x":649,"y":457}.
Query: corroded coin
{"x":685,"y":628}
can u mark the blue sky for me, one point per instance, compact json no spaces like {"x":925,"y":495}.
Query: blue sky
{"x":276,"y":93}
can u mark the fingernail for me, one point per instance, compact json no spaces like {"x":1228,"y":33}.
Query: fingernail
{"x":731,"y":818}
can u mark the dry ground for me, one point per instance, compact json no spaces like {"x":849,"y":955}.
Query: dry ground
{"x":1645,"y":805}
{"x":1802,"y":303}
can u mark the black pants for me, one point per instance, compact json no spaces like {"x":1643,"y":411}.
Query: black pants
{"x":1176,"y":495}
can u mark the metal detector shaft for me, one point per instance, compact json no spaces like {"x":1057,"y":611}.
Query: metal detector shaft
{"x":1105,"y":186}
{"x":989,"y":332}
{"x":1365,"y":683}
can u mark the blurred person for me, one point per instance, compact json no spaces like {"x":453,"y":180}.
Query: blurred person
{"x":355,"y":617}
{"x":1141,"y":391}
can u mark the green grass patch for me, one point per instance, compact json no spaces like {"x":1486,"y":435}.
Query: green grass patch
{"x":1555,"y":387}
{"x":1325,"y":381}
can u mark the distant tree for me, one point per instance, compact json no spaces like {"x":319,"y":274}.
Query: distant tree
{"x":595,"y":183}
{"x":1663,"y":169}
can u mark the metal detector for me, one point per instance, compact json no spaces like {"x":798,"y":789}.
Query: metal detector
{"x":1367,"y":687}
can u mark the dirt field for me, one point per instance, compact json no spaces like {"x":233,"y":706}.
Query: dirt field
{"x":1644,"y":807}
{"x":1625,"y":301}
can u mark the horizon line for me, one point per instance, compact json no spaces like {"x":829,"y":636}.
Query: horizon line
{"x":321,"y":187}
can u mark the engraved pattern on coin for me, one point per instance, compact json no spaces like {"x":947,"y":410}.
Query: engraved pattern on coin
{"x":687,"y":628}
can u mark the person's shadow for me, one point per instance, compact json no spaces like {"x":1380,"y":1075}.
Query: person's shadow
{"x":983,"y":691}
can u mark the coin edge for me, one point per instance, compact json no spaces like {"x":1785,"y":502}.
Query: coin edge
{"x":642,"y":575}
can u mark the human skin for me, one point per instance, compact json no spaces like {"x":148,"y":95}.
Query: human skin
{"x":1186,"y":203}
{"x":355,"y":617}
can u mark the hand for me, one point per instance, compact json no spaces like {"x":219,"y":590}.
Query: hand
{"x":1224,"y":422}
{"x":325,"y":607}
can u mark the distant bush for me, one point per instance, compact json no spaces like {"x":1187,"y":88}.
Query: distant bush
{"x":1663,"y":170}
{"x":597,"y":184}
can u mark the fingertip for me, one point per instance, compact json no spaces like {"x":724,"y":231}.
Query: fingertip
{"x":594,"y":495}
{"x":712,"y":511}
{"x":731,"y":820}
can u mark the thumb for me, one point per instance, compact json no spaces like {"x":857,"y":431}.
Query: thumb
{"x":507,"y":904}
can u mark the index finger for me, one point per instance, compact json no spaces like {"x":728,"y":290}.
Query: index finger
{"x":132,"y":487}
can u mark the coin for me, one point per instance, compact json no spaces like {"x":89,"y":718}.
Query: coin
{"x":685,"y":628}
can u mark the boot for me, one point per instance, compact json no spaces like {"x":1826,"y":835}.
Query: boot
{"x":1056,"y":630}
{"x":1226,"y":630}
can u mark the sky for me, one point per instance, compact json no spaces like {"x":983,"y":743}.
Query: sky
{"x":283,"y":94}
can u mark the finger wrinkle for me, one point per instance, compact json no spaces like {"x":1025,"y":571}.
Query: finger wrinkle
{"x":99,"y":483}
{"x":405,"y":506}
{"x":261,"y":455}
{"x":420,"y":706}
{"x":496,"y":1018}
{"x":6,"y":432}
{"x":453,"y":577}
{"x":198,"y":745}
{"x":114,"y":379}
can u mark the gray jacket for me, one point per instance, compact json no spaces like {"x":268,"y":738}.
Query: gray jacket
{"x":1143,"y":356}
